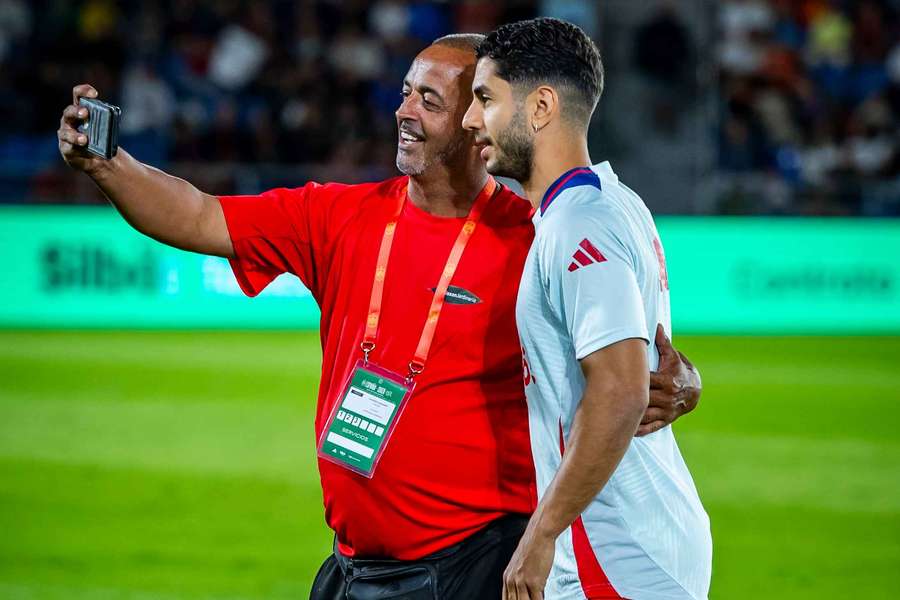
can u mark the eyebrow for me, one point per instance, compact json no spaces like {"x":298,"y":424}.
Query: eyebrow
{"x":424,"y":89}
{"x":481,"y":89}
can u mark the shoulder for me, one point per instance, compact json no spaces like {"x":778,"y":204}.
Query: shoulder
{"x":591,"y":221}
{"x":356,"y":192}
{"x":341,"y":202}
{"x":509,"y":210}
{"x":585,"y":209}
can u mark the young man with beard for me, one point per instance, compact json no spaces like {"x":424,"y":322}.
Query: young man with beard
{"x":429,"y":501}
{"x":619,"y":516}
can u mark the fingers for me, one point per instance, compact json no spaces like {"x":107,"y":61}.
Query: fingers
{"x":690,"y":398}
{"x":71,"y":136}
{"x":73,"y":115}
{"x":519,"y":587}
{"x":509,"y":592}
{"x":84,"y":90}
{"x":509,"y":589}
{"x":656,"y":414}
{"x":648,"y":428}
{"x":659,"y":380}
{"x":664,"y":389}
{"x":660,"y":335}
{"x":70,"y":139}
{"x":660,"y":398}
{"x":522,"y":591}
{"x":668,"y":357}
{"x":515,"y":588}
{"x":663,"y":344}
{"x":72,"y":143}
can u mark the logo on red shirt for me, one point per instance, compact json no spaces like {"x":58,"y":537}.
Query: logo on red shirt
{"x":587,"y":254}
{"x":458,"y":295}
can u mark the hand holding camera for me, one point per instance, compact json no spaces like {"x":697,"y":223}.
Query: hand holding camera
{"x":88,"y":131}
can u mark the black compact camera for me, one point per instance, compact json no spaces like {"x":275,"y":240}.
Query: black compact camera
{"x":101,"y":127}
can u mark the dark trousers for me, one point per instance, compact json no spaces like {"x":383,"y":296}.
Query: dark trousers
{"x":470,"y":570}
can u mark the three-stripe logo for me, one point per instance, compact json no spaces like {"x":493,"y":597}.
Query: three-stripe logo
{"x":587,"y":254}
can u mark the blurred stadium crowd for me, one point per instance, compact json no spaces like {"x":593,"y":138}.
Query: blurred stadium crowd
{"x":811,"y":90}
{"x":805,"y":94}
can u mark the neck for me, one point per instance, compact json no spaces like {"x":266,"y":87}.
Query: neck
{"x":445,"y":193}
{"x":552,"y":158}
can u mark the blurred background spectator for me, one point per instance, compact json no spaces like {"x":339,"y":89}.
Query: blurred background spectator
{"x":737,"y":106}
{"x":809,"y":101}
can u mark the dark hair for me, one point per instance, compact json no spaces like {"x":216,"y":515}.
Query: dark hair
{"x":460,"y":41}
{"x":549,"y":51}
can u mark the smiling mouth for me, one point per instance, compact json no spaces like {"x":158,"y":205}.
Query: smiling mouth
{"x":407,"y":138}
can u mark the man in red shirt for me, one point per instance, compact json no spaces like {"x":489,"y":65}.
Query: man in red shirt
{"x":443,"y":499}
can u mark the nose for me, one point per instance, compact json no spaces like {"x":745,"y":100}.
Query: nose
{"x":406,"y":110}
{"x":472,"y":118}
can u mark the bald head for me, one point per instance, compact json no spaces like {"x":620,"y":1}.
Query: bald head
{"x":460,"y":41}
{"x":455,"y":58}
{"x":456,"y":51}
{"x":446,"y":68}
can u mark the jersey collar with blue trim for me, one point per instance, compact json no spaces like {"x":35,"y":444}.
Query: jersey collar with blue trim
{"x":571,"y":178}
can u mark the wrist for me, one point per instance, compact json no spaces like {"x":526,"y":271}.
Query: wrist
{"x":101,"y":169}
{"x":543,"y":530}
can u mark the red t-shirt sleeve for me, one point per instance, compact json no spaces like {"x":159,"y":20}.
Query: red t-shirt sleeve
{"x":279,"y":231}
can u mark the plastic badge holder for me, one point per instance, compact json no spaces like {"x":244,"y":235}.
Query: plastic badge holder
{"x":101,"y":127}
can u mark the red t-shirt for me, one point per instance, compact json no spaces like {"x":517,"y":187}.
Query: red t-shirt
{"x":460,"y":455}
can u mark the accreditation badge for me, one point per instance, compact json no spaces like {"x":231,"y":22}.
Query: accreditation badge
{"x":361,"y":424}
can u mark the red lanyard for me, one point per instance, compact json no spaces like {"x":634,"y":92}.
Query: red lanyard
{"x":417,"y":364}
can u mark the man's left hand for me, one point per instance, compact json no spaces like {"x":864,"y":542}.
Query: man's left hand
{"x":528,"y":569}
{"x":674,"y":388}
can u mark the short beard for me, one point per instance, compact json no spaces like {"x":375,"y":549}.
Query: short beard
{"x":516,"y":150}
{"x":409,"y":167}
{"x":446,"y":156}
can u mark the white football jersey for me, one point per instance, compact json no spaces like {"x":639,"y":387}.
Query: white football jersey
{"x":596,"y":275}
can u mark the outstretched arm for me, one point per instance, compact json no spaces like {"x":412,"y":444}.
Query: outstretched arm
{"x":164,"y":207}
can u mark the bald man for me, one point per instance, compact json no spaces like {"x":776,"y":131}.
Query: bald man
{"x":421,"y":423}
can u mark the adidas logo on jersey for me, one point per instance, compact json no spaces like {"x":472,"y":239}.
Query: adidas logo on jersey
{"x":587,"y":254}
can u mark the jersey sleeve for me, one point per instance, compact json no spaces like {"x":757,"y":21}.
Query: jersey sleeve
{"x":589,"y":277}
{"x":279,"y":231}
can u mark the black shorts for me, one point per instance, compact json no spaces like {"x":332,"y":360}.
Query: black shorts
{"x":470,"y":570}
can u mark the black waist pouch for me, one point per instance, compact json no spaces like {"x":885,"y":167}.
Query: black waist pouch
{"x":388,"y":582}
{"x":367,"y":579}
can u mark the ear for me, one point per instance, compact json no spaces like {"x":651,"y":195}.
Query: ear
{"x":544,"y":107}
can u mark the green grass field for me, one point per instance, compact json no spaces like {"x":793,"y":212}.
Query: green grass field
{"x":181,"y":465}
